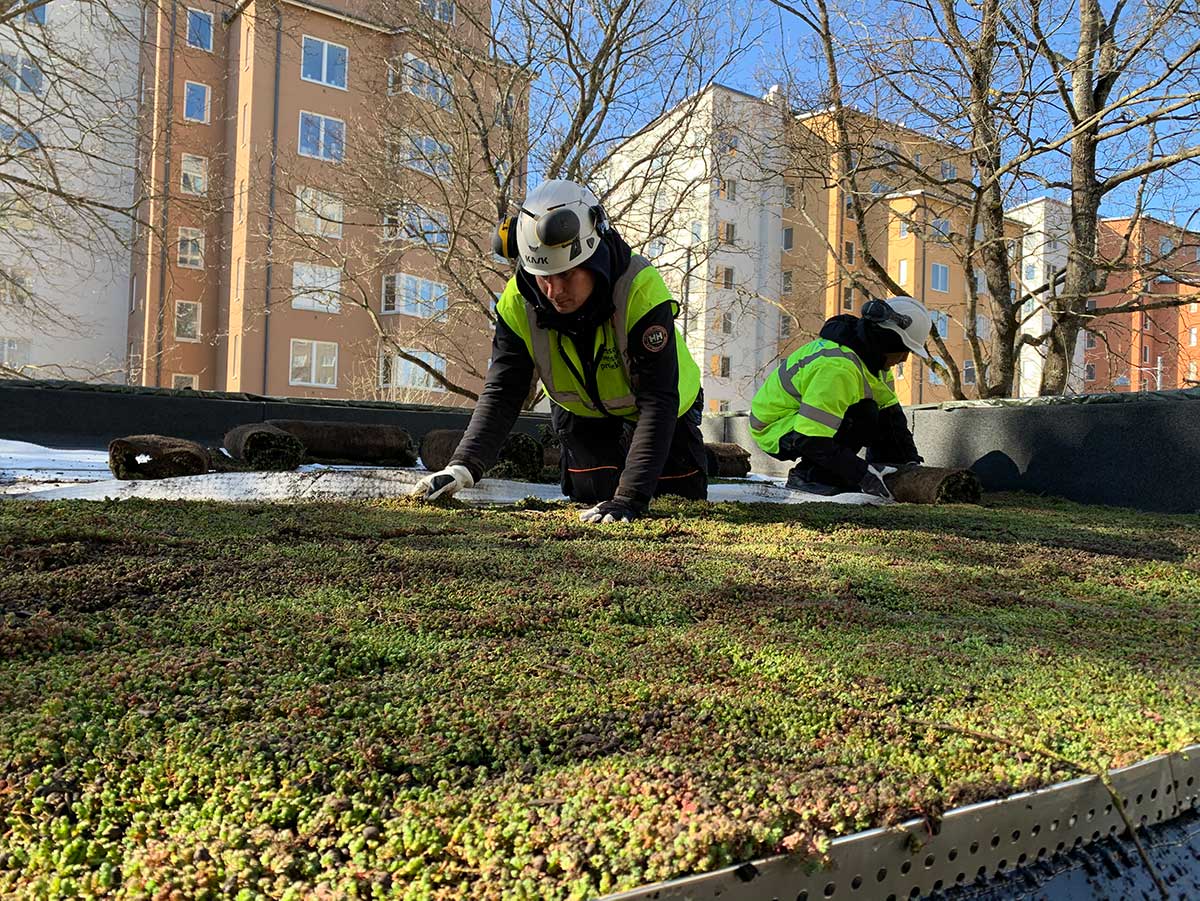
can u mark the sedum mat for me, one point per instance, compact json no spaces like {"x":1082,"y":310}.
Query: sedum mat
{"x":377,"y":699}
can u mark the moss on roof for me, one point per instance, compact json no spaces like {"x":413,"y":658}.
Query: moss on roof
{"x":433,"y":702}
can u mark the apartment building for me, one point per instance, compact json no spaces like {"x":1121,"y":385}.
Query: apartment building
{"x":1149,"y":261}
{"x":318,"y":225}
{"x":64,"y":258}
{"x":770,"y":240}
{"x":1045,"y":244}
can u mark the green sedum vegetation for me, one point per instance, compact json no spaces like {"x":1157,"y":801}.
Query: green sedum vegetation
{"x":388,"y":700}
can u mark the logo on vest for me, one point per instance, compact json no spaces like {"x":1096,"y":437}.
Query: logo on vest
{"x":655,"y":338}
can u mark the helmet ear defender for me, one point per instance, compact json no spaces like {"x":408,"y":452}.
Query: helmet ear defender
{"x":504,"y":241}
{"x":876,"y":310}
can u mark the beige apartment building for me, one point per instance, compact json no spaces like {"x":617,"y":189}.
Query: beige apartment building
{"x":916,"y":224}
{"x":319,"y":219}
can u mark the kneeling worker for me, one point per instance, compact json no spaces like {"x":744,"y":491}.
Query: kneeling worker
{"x":834,"y":396}
{"x":596,"y":324}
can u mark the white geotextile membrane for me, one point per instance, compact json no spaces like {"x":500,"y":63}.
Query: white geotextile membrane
{"x":31,"y":472}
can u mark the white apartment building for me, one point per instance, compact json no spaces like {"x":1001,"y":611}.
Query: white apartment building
{"x":700,"y":197}
{"x":1043,"y":256}
{"x":68,"y":92}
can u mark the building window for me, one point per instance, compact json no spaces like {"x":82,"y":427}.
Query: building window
{"x":983,"y":327}
{"x":949,"y":170}
{"x":416,"y":224}
{"x":1089,"y":304}
{"x":728,"y":232}
{"x":1089,"y":372}
{"x":187,"y":320}
{"x":1191,"y":371}
{"x":725,"y":323}
{"x":439,"y":10}
{"x":24,"y":139}
{"x":313,"y":363}
{"x":725,"y":277}
{"x":36,"y":15}
{"x":785,"y":326}
{"x":981,"y":282}
{"x":789,"y":200}
{"x":397,"y":372}
{"x":199,"y":29}
{"x":195,"y":102}
{"x":1192,"y":337}
{"x":14,"y":353}
{"x":904,"y":228}
{"x":697,"y":231}
{"x":727,"y":143}
{"x":902,"y":272}
{"x":413,"y":296}
{"x":1192,"y":307}
{"x":941,"y":322}
{"x":191,"y":248}
{"x":181,"y":381}
{"x":1145,"y":321}
{"x":720,"y":366}
{"x":941,"y":230}
{"x":786,"y":282}
{"x":978,"y":232}
{"x":849,"y":253}
{"x":850,"y":214}
{"x":322,"y":137}
{"x":939,"y":277}
{"x":421,"y":79}
{"x":1165,"y":247}
{"x":425,"y":154}
{"x":319,"y":213}
{"x":21,"y":74}
{"x":193,"y":177}
{"x":1145,"y":353}
{"x":848,"y":297}
{"x":968,"y":372}
{"x":789,"y":237}
{"x":655,"y":248}
{"x":316,"y":288}
{"x":1089,"y":340}
{"x":727,"y":189}
{"x":324,"y":62}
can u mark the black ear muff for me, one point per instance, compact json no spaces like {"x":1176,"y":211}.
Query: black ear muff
{"x":875,"y":311}
{"x":504,"y":241}
{"x":558,"y":228}
{"x":599,"y":218}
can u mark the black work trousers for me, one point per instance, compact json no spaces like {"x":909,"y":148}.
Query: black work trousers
{"x":594,"y":452}
{"x":831,"y":461}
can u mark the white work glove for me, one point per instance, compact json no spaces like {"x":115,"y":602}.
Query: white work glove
{"x":610,"y":511}
{"x":873,"y":483}
{"x":449,"y":481}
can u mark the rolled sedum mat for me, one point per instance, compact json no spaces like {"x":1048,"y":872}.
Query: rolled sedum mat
{"x":264,"y":447}
{"x":327,"y":441}
{"x":166,"y":457}
{"x":935,"y":485}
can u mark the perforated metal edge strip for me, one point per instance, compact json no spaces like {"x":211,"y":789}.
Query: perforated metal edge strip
{"x":905,"y":861}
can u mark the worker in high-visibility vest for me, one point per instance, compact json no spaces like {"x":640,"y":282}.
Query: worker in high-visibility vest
{"x":596,"y":324}
{"x":833,"y":396}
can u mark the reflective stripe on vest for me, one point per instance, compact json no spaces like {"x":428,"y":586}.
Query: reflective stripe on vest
{"x":544,"y":360}
{"x":787,"y":379}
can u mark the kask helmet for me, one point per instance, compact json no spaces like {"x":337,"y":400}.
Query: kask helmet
{"x":559,"y":226}
{"x":904,"y":316}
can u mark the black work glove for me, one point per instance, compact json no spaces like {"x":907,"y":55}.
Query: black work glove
{"x":615,"y":510}
{"x":873,"y":483}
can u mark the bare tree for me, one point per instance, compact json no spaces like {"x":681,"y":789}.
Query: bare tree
{"x":1040,"y":98}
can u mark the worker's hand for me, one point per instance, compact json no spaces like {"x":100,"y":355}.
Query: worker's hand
{"x":610,"y":511}
{"x":873,"y":483}
{"x":449,"y":481}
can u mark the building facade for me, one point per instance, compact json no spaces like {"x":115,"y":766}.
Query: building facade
{"x":67,"y":159}
{"x":319,"y":225}
{"x":1157,"y":264}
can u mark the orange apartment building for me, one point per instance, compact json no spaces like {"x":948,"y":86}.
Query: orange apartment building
{"x":1152,"y":349}
{"x":298,"y":175}
{"x":914,"y":230}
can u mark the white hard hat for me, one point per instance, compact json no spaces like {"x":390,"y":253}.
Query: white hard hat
{"x":904,"y":316}
{"x":559,"y":227}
